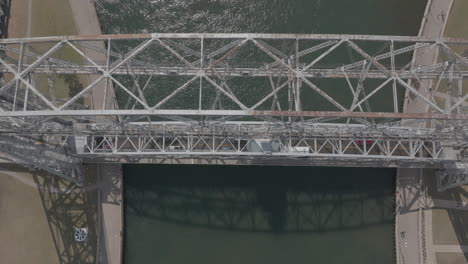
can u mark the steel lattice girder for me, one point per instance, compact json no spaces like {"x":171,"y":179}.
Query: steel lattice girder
{"x":47,"y":157}
{"x":281,"y":71}
{"x":215,"y":68}
{"x":320,"y":144}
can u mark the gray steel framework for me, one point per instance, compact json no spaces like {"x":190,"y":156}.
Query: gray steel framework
{"x":250,"y":140}
{"x":239,"y":97}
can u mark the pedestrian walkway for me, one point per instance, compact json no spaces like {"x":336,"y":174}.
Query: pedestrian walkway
{"x":87,"y":23}
{"x":411,"y":219}
{"x":110,"y":239}
{"x":110,"y":175}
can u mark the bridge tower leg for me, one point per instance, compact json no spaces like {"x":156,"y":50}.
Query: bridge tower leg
{"x":455,"y":173}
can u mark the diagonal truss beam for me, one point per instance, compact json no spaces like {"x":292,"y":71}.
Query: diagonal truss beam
{"x":272,"y":85}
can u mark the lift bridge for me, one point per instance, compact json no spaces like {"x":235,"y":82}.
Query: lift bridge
{"x":283,"y":99}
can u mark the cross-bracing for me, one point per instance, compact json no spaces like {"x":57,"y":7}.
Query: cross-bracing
{"x":332,"y":100}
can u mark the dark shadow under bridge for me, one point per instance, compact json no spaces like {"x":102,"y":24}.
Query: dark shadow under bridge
{"x":262,"y":199}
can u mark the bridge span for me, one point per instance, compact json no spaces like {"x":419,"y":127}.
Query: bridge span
{"x":325,"y":100}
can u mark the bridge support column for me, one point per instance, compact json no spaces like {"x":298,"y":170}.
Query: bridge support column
{"x":452,"y":174}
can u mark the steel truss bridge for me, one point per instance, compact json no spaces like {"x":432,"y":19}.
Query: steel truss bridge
{"x":325,"y":100}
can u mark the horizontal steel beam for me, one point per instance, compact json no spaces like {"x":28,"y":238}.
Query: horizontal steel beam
{"x":400,"y":152}
{"x":234,"y":113}
{"x":124,"y":72}
{"x":215,"y":159}
{"x":234,"y":129}
{"x":327,"y":73}
{"x":234,"y":36}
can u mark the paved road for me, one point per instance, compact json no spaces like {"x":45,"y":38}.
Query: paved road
{"x":408,"y":202}
{"x":433,"y":26}
{"x":411,"y":230}
{"x":110,"y":175}
{"x":87,"y":23}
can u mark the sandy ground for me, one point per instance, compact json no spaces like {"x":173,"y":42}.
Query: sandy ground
{"x":449,"y":234}
{"x":39,"y":214}
{"x":23,"y":218}
{"x":450,"y":258}
{"x":19,"y":19}
{"x":24,"y":221}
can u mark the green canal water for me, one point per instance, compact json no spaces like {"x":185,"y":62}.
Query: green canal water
{"x":207,"y":215}
{"x":189,"y":214}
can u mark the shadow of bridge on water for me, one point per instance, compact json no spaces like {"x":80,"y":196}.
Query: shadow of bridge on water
{"x":269,"y":202}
